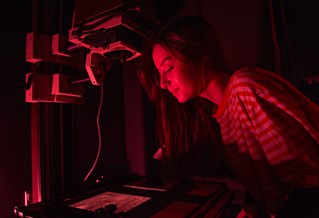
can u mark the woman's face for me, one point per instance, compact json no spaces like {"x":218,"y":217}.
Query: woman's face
{"x":174,"y":75}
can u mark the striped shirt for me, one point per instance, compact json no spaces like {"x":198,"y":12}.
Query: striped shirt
{"x":271,"y":135}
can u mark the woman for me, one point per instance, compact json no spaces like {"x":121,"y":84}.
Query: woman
{"x":270,"y":131}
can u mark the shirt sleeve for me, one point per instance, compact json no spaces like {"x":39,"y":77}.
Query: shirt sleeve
{"x":286,"y":125}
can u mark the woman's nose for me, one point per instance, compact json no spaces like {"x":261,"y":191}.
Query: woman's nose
{"x":164,"y":82}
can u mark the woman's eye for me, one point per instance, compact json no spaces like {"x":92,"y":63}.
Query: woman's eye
{"x":169,"y":70}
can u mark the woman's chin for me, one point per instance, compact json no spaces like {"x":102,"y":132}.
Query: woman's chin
{"x":181,"y":99}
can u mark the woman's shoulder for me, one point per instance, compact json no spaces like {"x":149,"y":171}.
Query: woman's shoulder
{"x":243,"y":76}
{"x":249,"y":72}
{"x":252,"y":75}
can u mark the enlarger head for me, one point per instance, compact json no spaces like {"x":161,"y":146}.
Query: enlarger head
{"x":113,"y":29}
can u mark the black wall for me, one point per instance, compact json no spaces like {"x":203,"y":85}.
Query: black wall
{"x":15,"y":156}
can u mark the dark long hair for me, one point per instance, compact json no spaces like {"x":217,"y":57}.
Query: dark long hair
{"x":185,"y":131}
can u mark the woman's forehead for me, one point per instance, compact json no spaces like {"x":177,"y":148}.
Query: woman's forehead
{"x":160,"y":56}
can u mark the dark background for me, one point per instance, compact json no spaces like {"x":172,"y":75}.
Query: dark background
{"x":15,"y":156}
{"x":245,"y":30}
